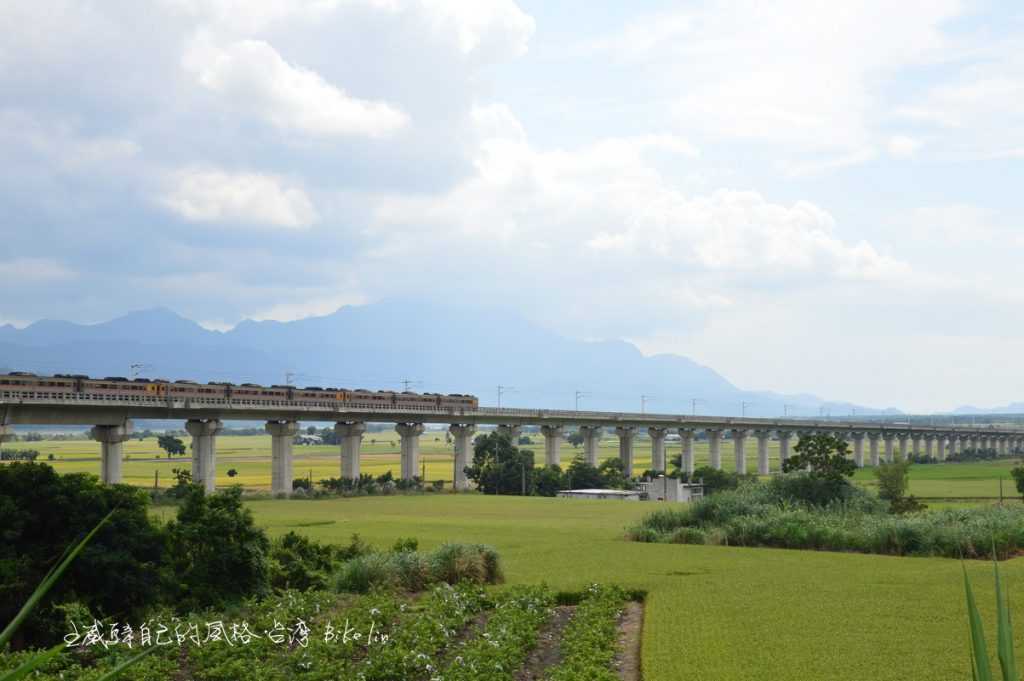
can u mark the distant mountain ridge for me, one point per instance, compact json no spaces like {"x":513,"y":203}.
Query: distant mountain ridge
{"x":437,"y":348}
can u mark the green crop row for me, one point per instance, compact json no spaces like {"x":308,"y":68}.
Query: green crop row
{"x":509,"y":636}
{"x":589,"y":641}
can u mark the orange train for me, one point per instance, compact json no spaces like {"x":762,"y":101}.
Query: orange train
{"x":22,"y":385}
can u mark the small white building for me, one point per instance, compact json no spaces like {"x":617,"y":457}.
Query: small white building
{"x":664,"y":488}
{"x":305,"y":439}
{"x":621,"y":494}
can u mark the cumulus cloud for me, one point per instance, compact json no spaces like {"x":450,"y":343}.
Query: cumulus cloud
{"x":201,"y":194}
{"x":902,"y":146}
{"x":253,"y":77}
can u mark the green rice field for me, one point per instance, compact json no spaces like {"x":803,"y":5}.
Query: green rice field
{"x":250,"y":456}
{"x":713,"y":613}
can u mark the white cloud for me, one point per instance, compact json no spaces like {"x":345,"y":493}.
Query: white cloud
{"x":901,"y":146}
{"x":625,"y":225}
{"x":252,"y":76}
{"x":795,"y":73}
{"x":498,"y":26}
{"x":212,"y":195}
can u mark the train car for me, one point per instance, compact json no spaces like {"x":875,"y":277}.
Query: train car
{"x":23,"y":385}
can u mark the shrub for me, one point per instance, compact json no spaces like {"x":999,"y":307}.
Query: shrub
{"x":297,"y":562}
{"x":117,"y":573}
{"x":713,"y":479}
{"x":412,"y":571}
{"x":404,"y":544}
{"x":216,"y":552}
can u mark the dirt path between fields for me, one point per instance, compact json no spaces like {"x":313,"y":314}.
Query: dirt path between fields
{"x":631,"y":626}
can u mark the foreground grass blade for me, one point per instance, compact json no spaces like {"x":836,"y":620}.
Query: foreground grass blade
{"x":31,"y":664}
{"x":1007,"y":661}
{"x":979,"y":653}
{"x":48,"y":582}
{"x":116,"y":671}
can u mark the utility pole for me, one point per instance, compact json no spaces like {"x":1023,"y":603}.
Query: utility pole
{"x":408,"y":383}
{"x":580,"y":394}
{"x":785,"y":410}
{"x":135,"y":369}
{"x":502,"y":389}
{"x":643,"y":403}
{"x":289,"y":378}
{"x":743,"y":408}
{"x":693,"y":405}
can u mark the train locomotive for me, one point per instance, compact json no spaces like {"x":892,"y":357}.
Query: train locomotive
{"x":25,"y":385}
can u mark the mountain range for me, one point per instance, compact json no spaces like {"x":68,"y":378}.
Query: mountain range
{"x":398,"y":344}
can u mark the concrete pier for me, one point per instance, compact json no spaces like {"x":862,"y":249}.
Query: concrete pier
{"x":591,"y":443}
{"x":940,"y":447}
{"x":888,"y":439}
{"x":410,"y":434}
{"x":873,"y":448}
{"x":686,"y":463}
{"x":204,"y":452}
{"x":282,"y":433}
{"x":350,"y":436}
{"x":783,"y":436}
{"x":714,"y":436}
{"x":463,"y":435}
{"x":763,"y":437}
{"x":626,"y":434}
{"x":6,"y":433}
{"x":513,"y":431}
{"x":111,"y":439}
{"x":858,"y":448}
{"x":903,"y":439}
{"x":739,"y":439}
{"x":552,"y":444}
{"x":657,"y":448}
{"x":929,"y":440}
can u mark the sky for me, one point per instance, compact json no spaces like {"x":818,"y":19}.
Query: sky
{"x":805,"y":196}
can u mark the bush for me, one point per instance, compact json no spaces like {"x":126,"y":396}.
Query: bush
{"x":217,"y":554}
{"x":713,"y":479}
{"x":753,"y":515}
{"x":117,"y":573}
{"x":412,"y":571}
{"x":297,"y":562}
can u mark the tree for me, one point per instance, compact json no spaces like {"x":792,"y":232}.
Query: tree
{"x":311,"y":430}
{"x":499,"y":467}
{"x":613,"y":474}
{"x":117,"y":574}
{"x":549,"y":481}
{"x":575,"y":438}
{"x":581,"y":475}
{"x":215,"y":551}
{"x":171,"y":445}
{"x":824,"y":456}
{"x":892,"y":487}
{"x":1018,"y":477}
{"x":232,"y":472}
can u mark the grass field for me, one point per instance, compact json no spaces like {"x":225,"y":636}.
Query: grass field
{"x":713,"y":613}
{"x":250,"y":456}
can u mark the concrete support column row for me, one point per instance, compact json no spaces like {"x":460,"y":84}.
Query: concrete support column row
{"x":657,"y":448}
{"x":626,"y":434}
{"x":463,"y":435}
{"x":111,"y":439}
{"x":410,"y":434}
{"x":552,"y":444}
{"x":904,"y":452}
{"x":204,"y":452}
{"x":282,"y":434}
{"x":350,"y":436}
